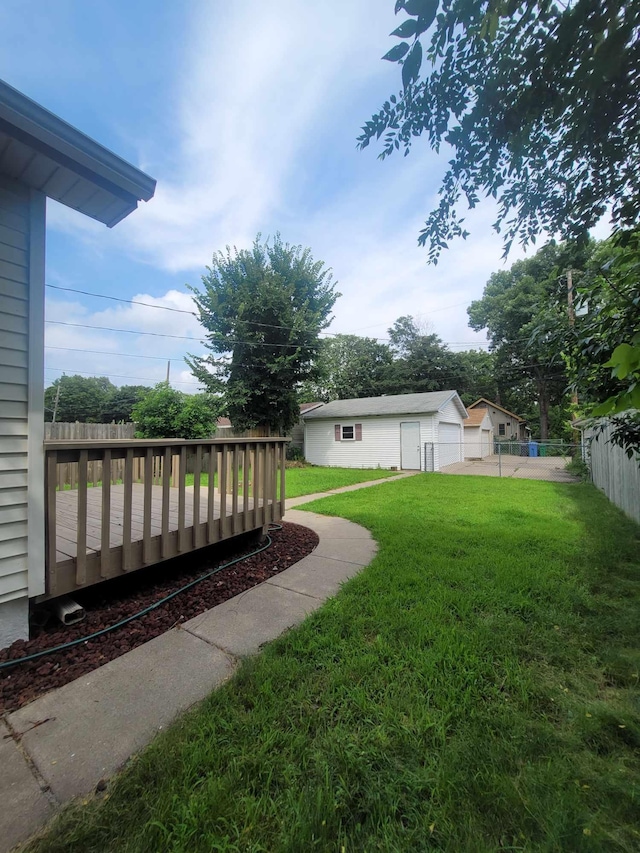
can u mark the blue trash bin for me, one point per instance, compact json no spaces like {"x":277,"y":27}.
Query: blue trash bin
{"x":533,"y":448}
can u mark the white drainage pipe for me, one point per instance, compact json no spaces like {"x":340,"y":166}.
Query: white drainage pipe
{"x":68,"y":611}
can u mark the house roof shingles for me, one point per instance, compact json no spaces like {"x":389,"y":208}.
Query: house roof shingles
{"x":476,"y":416}
{"x":396,"y":404}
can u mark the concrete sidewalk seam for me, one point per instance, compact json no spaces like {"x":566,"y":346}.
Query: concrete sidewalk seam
{"x":272,"y":582}
{"x":234,"y":660}
{"x":44,"y":786}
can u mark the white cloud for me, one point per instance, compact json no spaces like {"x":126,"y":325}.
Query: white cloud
{"x":266,"y":108}
{"x":128,"y":359}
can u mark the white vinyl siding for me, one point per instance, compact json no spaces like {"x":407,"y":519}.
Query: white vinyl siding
{"x":15,"y":216}
{"x":380,"y":445}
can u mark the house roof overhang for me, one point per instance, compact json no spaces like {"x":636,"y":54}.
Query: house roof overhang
{"x":44,"y":152}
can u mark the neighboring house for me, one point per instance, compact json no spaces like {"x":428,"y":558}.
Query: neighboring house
{"x":478,"y":434}
{"x":403,"y":431}
{"x":222,"y":424}
{"x":297,"y":432}
{"x":41,"y":157}
{"x":505,"y":424}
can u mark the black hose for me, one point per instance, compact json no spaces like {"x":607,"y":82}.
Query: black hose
{"x":6,"y":664}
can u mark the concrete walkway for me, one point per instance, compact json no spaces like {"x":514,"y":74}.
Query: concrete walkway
{"x":68,"y":741}
{"x":548,"y":468}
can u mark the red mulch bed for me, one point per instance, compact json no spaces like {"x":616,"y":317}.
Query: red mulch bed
{"x":112,"y":601}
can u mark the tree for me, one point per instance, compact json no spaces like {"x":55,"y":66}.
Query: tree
{"x":121,"y":401}
{"x":524,"y":312}
{"x":79,"y":398}
{"x":477,"y":372}
{"x":266,"y":308}
{"x":164,"y":412}
{"x":349,"y":366}
{"x":422,"y":362}
{"x":604,"y":366}
{"x":537,"y":100}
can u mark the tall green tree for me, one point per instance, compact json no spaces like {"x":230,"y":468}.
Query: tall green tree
{"x":537,"y":102}
{"x":477,"y":376}
{"x":79,"y":398}
{"x":349,"y":366}
{"x":422,"y":362}
{"x":604,"y":362}
{"x":121,"y":401}
{"x":263,"y":310}
{"x":524,"y":310}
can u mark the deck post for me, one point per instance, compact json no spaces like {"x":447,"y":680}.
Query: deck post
{"x":102,"y":532}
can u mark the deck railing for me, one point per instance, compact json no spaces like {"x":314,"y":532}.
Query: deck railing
{"x":128,"y":504}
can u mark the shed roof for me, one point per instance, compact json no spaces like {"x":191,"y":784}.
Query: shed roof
{"x":495,"y":406}
{"x":396,"y":404}
{"x":44,"y":152}
{"x":476,"y":417}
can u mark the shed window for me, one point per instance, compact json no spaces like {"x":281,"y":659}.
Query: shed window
{"x":348,"y":432}
{"x":502,"y":430}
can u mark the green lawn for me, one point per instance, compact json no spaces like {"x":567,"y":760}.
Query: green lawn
{"x":309,"y":480}
{"x":474,"y":689}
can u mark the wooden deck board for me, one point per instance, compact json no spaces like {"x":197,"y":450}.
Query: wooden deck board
{"x":67,"y":516}
{"x":96,"y":533}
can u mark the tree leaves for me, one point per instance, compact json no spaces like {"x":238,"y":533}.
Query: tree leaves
{"x":397,"y":52}
{"x":527,"y":94}
{"x":411,"y":65}
{"x":406,"y":29}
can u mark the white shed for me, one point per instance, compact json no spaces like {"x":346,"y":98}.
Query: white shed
{"x":478,"y":434}
{"x":41,"y":157}
{"x":416,"y":432}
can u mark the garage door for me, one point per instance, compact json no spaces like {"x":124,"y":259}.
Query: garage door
{"x":449,"y":444}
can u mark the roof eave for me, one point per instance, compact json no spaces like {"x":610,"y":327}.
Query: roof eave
{"x":52,"y":136}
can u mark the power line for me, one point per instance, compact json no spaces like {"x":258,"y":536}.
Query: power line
{"x":167,"y":308}
{"x":111,"y":352}
{"x":163,"y":335}
{"x":129,"y":354}
{"x":73,"y":371}
{"x":248,"y":322}
{"x":120,"y":299}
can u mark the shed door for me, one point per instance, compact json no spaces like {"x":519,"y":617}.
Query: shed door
{"x":410,"y":445}
{"x":449,"y":444}
{"x":486,"y":442}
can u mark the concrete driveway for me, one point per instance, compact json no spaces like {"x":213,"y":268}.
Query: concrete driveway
{"x":520,"y":467}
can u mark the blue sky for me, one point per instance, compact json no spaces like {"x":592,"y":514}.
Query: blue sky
{"x":247,"y":116}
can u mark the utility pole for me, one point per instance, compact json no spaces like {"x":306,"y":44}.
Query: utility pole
{"x":55,"y":403}
{"x":168,"y":370}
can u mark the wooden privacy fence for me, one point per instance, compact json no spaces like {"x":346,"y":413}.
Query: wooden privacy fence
{"x":77,"y":431}
{"x":612,"y":470}
{"x":93,"y":534}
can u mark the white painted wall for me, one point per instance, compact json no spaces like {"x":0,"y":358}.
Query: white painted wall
{"x":380,"y":445}
{"x":22,"y":222}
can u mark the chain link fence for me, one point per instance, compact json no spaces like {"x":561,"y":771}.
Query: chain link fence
{"x":554,"y":460}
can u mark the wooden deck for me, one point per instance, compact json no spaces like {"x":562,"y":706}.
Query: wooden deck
{"x":105,"y":531}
